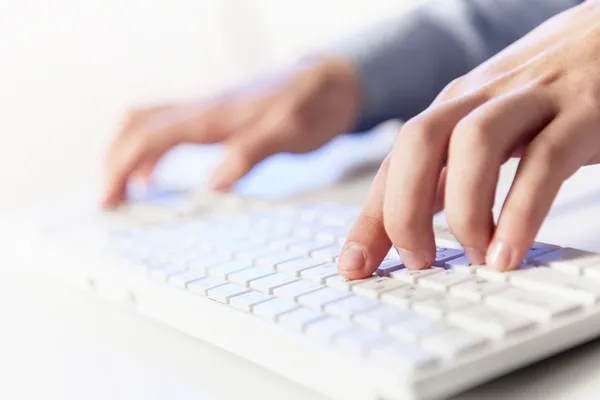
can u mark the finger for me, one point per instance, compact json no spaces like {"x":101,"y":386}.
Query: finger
{"x":418,"y":157}
{"x":480,"y":144}
{"x":565,"y":145}
{"x":438,"y":204}
{"x":367,"y":243}
{"x":246,"y":149}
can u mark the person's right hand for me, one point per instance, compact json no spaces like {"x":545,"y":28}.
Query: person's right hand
{"x":295,"y":112}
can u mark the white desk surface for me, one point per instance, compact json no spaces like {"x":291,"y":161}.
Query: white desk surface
{"x":60,"y":344}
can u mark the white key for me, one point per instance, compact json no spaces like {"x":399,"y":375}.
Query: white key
{"x":284,"y":242}
{"x":203,"y":285}
{"x":388,"y":266}
{"x":380,"y":317}
{"x":223,"y":293}
{"x":319,"y":274}
{"x":328,"y":329}
{"x":376,"y":287}
{"x":438,"y":307}
{"x":294,"y":290}
{"x":295,"y":267}
{"x":445,"y":238}
{"x":320,"y":298}
{"x":203,"y":263}
{"x":412,"y":329}
{"x":181,"y":280}
{"x":274,"y":259}
{"x":569,"y":260}
{"x":443,"y":254}
{"x":164,"y":273}
{"x":404,"y":357}
{"x":492,"y":274}
{"x":305,"y":229}
{"x":244,"y":277}
{"x":300,"y":318}
{"x":537,"y":306}
{"x":459,"y":264}
{"x":223,"y":270}
{"x":253,"y":254}
{"x":406,"y":295}
{"x":329,"y":253}
{"x":489,"y":322}
{"x":332,"y":233}
{"x":452,"y":342}
{"x":555,"y":283}
{"x":339,"y":282}
{"x":444,"y":280}
{"x":362,"y":340}
{"x":272,"y":309}
{"x":307,"y":247}
{"x":271,"y":282}
{"x":350,"y":306}
{"x":412,"y":276}
{"x":248,"y":300}
{"x":340,"y":217}
{"x":477,"y":289}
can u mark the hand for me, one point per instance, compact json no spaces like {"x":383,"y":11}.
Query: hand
{"x":295,"y":112}
{"x":540,"y":98}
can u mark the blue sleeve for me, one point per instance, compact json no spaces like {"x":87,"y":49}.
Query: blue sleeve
{"x":406,"y":61}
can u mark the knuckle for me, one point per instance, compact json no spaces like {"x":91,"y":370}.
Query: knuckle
{"x":472,"y":134}
{"x":418,"y":133}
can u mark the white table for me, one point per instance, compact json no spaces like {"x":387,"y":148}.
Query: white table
{"x":60,"y":344}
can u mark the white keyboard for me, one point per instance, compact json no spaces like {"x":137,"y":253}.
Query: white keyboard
{"x":262,"y":283}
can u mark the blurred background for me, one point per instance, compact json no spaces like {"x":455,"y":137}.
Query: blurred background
{"x":70,"y":69}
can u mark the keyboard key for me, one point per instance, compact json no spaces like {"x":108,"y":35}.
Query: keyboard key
{"x":412,"y":276}
{"x":555,"y":283}
{"x":319,"y":274}
{"x":460,"y":265}
{"x":271,"y":282}
{"x":437,"y":307}
{"x":539,"y":248}
{"x":328,"y":254}
{"x":492,"y":274}
{"x":298,"y":319}
{"x":452,"y":342}
{"x":284,"y":242}
{"x":350,"y":306}
{"x":318,"y":299}
{"x":223,"y":270}
{"x":252,"y":254}
{"x":272,"y":309}
{"x":203,"y":285}
{"x":537,"y":306}
{"x":339,"y":282}
{"x":444,"y":280}
{"x":272,"y":260}
{"x":203,"y":263}
{"x":246,"y":301}
{"x":295,"y":267}
{"x":569,"y":260}
{"x":362,"y":340}
{"x":307,"y":247}
{"x":380,"y":317}
{"x":406,"y":295}
{"x":489,"y":322}
{"x":331,"y":233}
{"x":294,"y":290}
{"x":244,"y":277}
{"x":477,"y":289}
{"x":374,"y":288}
{"x":412,"y":329}
{"x":328,"y":329}
{"x":182,"y":279}
{"x":388,"y":266}
{"x":224,"y":292}
{"x":404,"y":357}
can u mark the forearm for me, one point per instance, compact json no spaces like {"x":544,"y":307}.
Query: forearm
{"x":405,"y":62}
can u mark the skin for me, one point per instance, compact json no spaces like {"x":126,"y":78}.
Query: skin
{"x":538,"y":99}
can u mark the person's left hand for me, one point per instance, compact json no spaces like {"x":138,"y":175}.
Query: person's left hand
{"x":540,"y":98}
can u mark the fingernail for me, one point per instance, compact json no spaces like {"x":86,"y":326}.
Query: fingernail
{"x":499,"y":256}
{"x":475,"y":256}
{"x":352,"y":259}
{"x":413,"y":260}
